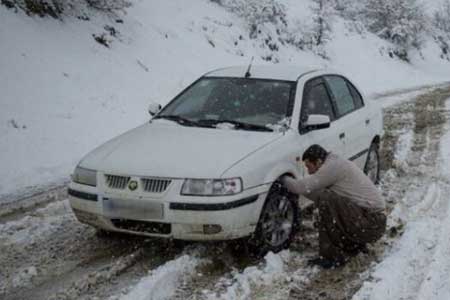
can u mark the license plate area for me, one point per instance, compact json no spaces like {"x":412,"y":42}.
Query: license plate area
{"x":132,"y":209}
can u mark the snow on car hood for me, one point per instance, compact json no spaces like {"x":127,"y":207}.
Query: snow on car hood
{"x":166,"y":149}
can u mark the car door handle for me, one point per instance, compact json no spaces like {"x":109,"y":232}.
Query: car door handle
{"x":367,"y":121}
{"x":342,"y":135}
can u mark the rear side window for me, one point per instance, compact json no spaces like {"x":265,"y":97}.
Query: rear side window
{"x":357,"y":99}
{"x":341,"y":93}
{"x":316,"y":101}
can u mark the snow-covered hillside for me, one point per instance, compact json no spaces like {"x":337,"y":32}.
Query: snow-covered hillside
{"x":63,"y":93}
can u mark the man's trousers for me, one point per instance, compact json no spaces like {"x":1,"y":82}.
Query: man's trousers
{"x":344,"y":227}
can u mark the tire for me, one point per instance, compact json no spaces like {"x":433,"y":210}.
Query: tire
{"x":372,"y":166}
{"x":278,"y":222}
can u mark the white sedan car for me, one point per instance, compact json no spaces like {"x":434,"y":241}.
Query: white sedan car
{"x":206,"y":166}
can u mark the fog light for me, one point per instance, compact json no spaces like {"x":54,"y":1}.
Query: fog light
{"x":211,"y":229}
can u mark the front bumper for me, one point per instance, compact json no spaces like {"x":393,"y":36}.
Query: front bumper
{"x":170,"y":214}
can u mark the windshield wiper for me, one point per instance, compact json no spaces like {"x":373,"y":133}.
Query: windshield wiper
{"x":179,"y":119}
{"x":237,"y":124}
{"x":212,"y":123}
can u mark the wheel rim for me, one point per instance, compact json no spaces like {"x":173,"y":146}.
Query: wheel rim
{"x":278,"y":221}
{"x":372,"y":166}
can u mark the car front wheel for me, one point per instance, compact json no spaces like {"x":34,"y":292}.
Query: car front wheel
{"x":278,"y":222}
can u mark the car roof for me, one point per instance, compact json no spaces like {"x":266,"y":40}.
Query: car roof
{"x":276,"y":72}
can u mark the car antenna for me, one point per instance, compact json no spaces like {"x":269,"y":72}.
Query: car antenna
{"x":247,"y":74}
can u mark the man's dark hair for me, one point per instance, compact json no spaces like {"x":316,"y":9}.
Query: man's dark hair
{"x":314,"y":153}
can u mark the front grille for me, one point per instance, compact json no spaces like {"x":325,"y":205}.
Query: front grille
{"x":142,"y":226}
{"x":154,"y":185}
{"x":117,"y":182}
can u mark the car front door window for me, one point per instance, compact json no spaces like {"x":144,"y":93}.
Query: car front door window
{"x":316,"y":101}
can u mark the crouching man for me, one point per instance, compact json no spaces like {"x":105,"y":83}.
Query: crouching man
{"x":351,"y":209}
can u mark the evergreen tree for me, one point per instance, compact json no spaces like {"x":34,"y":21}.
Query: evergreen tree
{"x":441,"y":18}
{"x":400,"y":21}
{"x":323,"y":11}
{"x":441,"y":22}
{"x":257,"y":13}
{"x":349,"y":9}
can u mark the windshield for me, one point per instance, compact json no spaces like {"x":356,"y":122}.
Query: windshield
{"x":211,"y":101}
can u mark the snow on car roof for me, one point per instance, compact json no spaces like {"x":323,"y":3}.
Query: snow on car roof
{"x":278,"y":72}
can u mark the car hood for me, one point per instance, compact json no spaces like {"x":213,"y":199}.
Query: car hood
{"x":165,"y":149}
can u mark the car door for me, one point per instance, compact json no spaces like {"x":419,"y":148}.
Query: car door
{"x":352,"y":117}
{"x":317,"y":100}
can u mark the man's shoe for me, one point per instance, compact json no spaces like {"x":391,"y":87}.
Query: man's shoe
{"x":325,"y":263}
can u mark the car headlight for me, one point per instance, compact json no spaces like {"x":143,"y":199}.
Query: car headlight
{"x":85,"y":176}
{"x":212,"y":187}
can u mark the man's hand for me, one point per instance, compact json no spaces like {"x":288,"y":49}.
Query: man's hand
{"x":286,"y":178}
{"x":288,"y":182}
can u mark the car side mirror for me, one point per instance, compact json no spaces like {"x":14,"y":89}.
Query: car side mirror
{"x":316,"y":122}
{"x":154,"y":108}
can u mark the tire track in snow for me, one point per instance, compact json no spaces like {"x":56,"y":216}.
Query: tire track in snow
{"x":90,"y":281}
{"x":436,"y":282}
{"x":119,"y":273}
{"x":271,"y":279}
{"x":231,"y":271}
{"x":415,"y":267}
{"x":232,"y":274}
{"x":49,"y":254}
{"x":21,"y":242}
{"x":15,"y":207}
{"x":243,"y":284}
{"x":407,"y":268}
{"x":162,"y":282}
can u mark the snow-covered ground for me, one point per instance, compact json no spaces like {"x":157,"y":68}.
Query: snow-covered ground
{"x":163,"y":282}
{"x":63,"y":93}
{"x":417,"y":267}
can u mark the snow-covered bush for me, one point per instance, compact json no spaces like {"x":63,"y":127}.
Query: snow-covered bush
{"x":323,"y":11}
{"x":56,"y":8}
{"x":41,"y":8}
{"x":441,"y":19}
{"x":109,"y":5}
{"x":257,"y":13}
{"x":349,"y":9}
{"x":401,"y":22}
{"x":265,"y":21}
{"x":301,"y":35}
{"x":441,"y":23}
{"x":313,"y":33}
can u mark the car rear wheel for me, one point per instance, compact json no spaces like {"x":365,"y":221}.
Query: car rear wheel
{"x":278,"y":222}
{"x":372,"y":166}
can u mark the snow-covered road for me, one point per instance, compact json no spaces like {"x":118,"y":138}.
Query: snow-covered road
{"x":47,"y":254}
{"x":417,"y":266}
